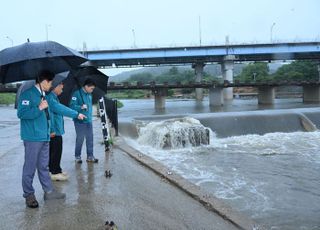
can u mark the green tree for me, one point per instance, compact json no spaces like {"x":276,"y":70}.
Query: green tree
{"x":170,"y":92}
{"x":141,"y":77}
{"x":298,"y":70}
{"x":173,"y":76}
{"x":208,"y":77}
{"x":254,"y":71}
{"x":173,"y":71}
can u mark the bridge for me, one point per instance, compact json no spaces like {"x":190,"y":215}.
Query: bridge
{"x":266,"y":90}
{"x":204,"y":54}
{"x":199,"y":56}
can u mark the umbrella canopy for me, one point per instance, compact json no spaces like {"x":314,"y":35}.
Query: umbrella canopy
{"x":77,"y":77}
{"x":26,"y":61}
{"x":58,"y":78}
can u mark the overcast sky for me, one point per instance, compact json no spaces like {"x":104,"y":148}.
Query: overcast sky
{"x":105,"y":24}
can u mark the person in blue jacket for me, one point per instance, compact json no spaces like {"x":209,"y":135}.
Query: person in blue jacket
{"x":57,"y":111}
{"x":81,"y":101}
{"x":34,"y":113}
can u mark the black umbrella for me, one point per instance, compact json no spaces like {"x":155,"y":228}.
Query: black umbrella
{"x":58,"y":78}
{"x":77,"y":77}
{"x":26,"y":61}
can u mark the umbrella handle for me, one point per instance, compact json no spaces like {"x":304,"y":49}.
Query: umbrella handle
{"x":86,"y":108}
{"x":46,"y":109}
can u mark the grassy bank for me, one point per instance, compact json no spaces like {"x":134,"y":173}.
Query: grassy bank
{"x":119,"y":104}
{"x":129,"y":94}
{"x":7,"y":98}
{"x":135,"y":94}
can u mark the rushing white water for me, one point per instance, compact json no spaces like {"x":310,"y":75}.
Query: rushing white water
{"x":173,"y":133}
{"x":274,"y":178}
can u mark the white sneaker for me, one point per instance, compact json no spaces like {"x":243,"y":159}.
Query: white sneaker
{"x":65,"y":173}
{"x":59,"y":177}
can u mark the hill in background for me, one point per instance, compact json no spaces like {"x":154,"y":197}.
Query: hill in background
{"x":212,"y":69}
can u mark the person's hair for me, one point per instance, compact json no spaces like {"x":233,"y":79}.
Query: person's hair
{"x":89,"y":82}
{"x":45,"y":75}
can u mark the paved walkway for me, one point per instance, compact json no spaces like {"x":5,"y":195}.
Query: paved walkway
{"x":134,"y":197}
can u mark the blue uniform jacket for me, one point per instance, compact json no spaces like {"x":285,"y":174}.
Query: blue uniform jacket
{"x":79,"y":98}
{"x":57,"y":111}
{"x":34,"y":125}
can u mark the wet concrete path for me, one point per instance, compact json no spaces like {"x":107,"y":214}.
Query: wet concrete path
{"x":134,"y":197}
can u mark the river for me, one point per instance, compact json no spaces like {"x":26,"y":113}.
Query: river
{"x":272,"y":177}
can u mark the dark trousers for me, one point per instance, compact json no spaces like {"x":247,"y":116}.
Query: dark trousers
{"x":84,"y":131}
{"x":55,"y":154}
{"x":35,"y":158}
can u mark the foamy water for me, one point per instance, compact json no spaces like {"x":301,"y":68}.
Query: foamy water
{"x":273,"y":178}
{"x":173,"y":133}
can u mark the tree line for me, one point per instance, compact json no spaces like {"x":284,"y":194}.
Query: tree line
{"x":258,"y":71}
{"x":294,"y":71}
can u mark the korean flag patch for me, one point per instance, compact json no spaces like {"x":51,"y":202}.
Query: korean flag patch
{"x":25,"y":102}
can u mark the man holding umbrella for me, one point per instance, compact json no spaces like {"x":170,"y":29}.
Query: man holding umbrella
{"x":33,"y":111}
{"x":58,"y":110}
{"x":25,"y":62}
{"x":81,"y":101}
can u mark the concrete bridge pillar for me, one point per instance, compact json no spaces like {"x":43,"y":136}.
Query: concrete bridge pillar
{"x":227,"y":72}
{"x":266,"y":95}
{"x":311,"y":93}
{"x":198,"y":69}
{"x":160,"y":98}
{"x":216,"y":96}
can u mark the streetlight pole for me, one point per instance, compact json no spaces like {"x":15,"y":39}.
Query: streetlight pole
{"x":199,"y":30}
{"x":254,"y":76}
{"x":271,"y":30}
{"x":134,"y":38}
{"x":47,"y":31}
{"x":7,"y":37}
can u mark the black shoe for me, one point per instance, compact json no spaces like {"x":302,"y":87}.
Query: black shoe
{"x":92,"y":160}
{"x":110,"y":226}
{"x":31,"y":201}
{"x":78,"y":160}
{"x":107,"y":173}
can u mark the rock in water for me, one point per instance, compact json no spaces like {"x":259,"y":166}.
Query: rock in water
{"x":174,"y":133}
